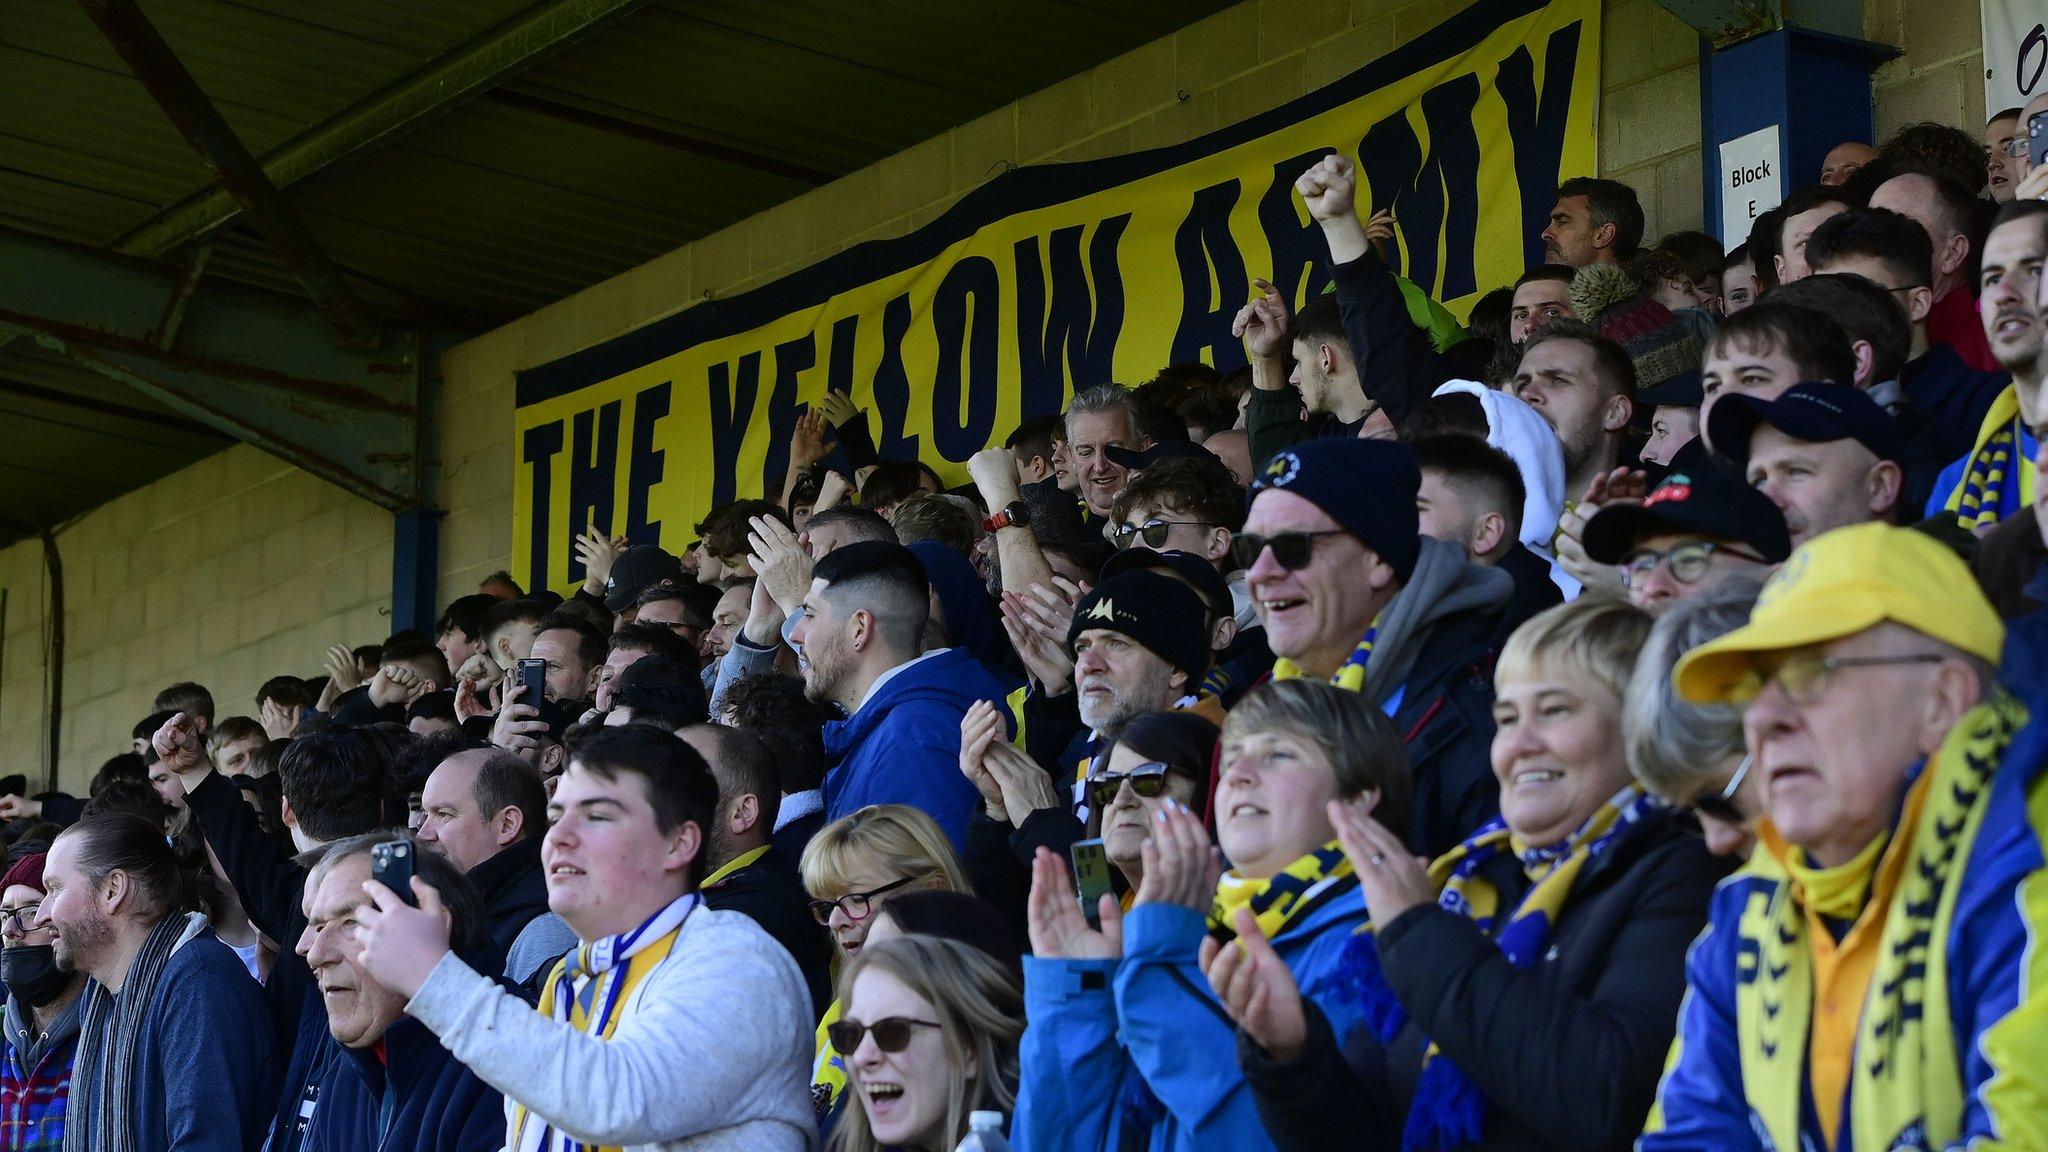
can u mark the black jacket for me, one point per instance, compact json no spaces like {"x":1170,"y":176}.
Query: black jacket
{"x":998,"y":859}
{"x":1946,"y":401}
{"x":514,"y":888}
{"x":772,"y":893}
{"x":1534,"y":589}
{"x":1446,"y":723}
{"x":791,"y":838}
{"x":1568,"y":1053}
{"x":418,"y":1098}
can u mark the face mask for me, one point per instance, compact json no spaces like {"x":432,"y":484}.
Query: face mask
{"x":31,"y":973}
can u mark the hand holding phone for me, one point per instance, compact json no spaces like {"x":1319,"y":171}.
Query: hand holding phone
{"x":533,"y":673}
{"x":2037,"y":139}
{"x":391,"y":865}
{"x":1091,"y":878}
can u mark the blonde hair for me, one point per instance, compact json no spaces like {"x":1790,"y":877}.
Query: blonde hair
{"x":979,"y":1008}
{"x":1596,"y":636}
{"x":894,"y":837}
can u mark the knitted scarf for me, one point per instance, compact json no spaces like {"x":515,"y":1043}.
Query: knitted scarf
{"x":1997,"y":474}
{"x":109,"y":1038}
{"x":1906,"y":1077}
{"x":586,"y":991}
{"x":1448,"y":1109}
{"x":1282,"y":898}
{"x":1350,"y":677}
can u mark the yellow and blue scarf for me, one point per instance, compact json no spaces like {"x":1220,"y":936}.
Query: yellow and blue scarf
{"x":1278,"y":900}
{"x":1905,"y":1075}
{"x":1350,"y":677}
{"x":1998,"y":474}
{"x":589,"y":991}
{"x":1448,"y":1110}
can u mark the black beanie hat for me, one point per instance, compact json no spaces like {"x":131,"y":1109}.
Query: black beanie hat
{"x":1367,"y":486}
{"x":1159,"y":612}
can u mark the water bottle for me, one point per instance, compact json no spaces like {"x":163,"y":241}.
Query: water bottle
{"x":984,"y":1133}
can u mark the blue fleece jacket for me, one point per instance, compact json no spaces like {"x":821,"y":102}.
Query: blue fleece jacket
{"x":1142,"y":1044}
{"x":418,"y":1098}
{"x":206,"y":1069}
{"x":903,"y":746}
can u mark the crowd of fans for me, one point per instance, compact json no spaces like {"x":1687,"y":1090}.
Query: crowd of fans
{"x":1616,"y":721}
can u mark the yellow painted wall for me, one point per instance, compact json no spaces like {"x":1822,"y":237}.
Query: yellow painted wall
{"x":241,"y":567}
{"x":228,"y":572}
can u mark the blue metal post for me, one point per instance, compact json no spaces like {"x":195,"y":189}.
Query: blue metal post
{"x":415,"y":558}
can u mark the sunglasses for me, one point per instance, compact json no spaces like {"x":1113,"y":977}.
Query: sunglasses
{"x":1152,"y":533}
{"x":856,"y":905}
{"x":1147,"y":780}
{"x":1721,"y":805}
{"x":1291,"y":550}
{"x":892,"y":1033}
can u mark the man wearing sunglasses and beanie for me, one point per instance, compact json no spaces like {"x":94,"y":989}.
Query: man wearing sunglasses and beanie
{"x":1857,"y":981}
{"x":1350,"y":591}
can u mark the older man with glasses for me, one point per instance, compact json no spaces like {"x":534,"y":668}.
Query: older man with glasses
{"x":1350,"y":591}
{"x":1694,"y":529}
{"x":1854,"y":983}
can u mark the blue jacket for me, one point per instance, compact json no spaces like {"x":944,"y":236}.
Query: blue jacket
{"x":417,"y":1099}
{"x":1952,"y":477}
{"x":903,"y":746}
{"x":1702,"y":1101}
{"x":205,"y":1077}
{"x":1142,"y":1043}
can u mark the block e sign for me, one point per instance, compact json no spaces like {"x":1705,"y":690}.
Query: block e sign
{"x":1750,"y":182}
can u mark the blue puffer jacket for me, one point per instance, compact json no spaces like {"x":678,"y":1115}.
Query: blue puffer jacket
{"x":903,"y":746}
{"x":1141,"y":1044}
{"x":417,"y":1099}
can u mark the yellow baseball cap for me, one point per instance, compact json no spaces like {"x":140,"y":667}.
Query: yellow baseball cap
{"x":1838,"y":584}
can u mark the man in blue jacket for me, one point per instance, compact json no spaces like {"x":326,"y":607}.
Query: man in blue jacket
{"x":394,"y":1087}
{"x":857,"y":636}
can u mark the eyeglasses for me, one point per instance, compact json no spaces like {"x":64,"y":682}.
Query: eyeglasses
{"x":1152,"y":532}
{"x":1147,"y":780}
{"x":2015,"y":147}
{"x":856,"y":905}
{"x":1721,"y":805}
{"x":18,"y":921}
{"x":1689,"y":561}
{"x":1804,"y":678}
{"x":1291,"y":550}
{"x":891,"y":1033}
{"x":1905,"y":287}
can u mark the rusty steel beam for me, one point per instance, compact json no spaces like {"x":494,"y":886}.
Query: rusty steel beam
{"x":143,"y":49}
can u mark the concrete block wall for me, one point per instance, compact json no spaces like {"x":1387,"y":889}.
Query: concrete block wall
{"x":1232,"y":65}
{"x":228,"y":572}
{"x":1941,"y":75}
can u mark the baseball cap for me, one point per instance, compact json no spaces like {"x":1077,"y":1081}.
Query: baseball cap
{"x":1196,"y":571}
{"x":1702,"y":502}
{"x":1816,"y":412}
{"x":1838,"y":584}
{"x":1367,"y":486}
{"x":1160,"y":613}
{"x":637,"y":569}
{"x":1139,"y":458}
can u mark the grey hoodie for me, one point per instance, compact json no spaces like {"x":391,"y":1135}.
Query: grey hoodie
{"x":1443,"y":584}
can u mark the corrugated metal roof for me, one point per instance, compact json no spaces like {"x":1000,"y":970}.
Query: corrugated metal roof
{"x":571,"y":173}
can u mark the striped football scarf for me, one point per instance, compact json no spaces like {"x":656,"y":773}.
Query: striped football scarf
{"x":1448,"y":1108}
{"x":1999,"y":478}
{"x":1283,"y":897}
{"x":1350,"y":677}
{"x":590,"y":990}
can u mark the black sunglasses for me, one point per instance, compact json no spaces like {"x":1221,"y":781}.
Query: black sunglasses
{"x":892,"y":1033}
{"x":1152,"y":532}
{"x":1721,"y":805}
{"x":1291,"y":550}
{"x":856,"y":905}
{"x":1147,"y":780}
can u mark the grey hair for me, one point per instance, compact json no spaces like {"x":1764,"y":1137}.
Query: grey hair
{"x":1676,"y":748}
{"x":1103,"y":398}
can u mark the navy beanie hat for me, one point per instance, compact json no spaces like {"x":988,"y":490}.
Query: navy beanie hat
{"x":1367,"y":486}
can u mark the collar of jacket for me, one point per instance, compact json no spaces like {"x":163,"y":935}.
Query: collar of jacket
{"x":507,"y":868}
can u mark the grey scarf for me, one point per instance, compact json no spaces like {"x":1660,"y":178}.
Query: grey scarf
{"x":99,"y":1114}
{"x":1443,"y":584}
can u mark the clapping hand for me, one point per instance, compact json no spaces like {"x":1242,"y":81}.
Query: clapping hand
{"x":1053,"y":916}
{"x":1391,"y":880}
{"x":1255,"y":988}
{"x":1037,"y":622}
{"x":779,"y":562}
{"x":1182,"y":866}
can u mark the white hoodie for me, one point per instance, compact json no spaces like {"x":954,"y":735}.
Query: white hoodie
{"x":1515,"y":428}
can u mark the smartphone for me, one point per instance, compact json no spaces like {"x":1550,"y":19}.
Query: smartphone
{"x":2037,"y":138}
{"x":1091,"y":878}
{"x":391,"y":866}
{"x":534,"y":675}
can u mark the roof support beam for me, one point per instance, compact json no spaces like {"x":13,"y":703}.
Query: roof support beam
{"x":1725,"y":22}
{"x":143,"y":49}
{"x":259,"y":367}
{"x":449,"y":80}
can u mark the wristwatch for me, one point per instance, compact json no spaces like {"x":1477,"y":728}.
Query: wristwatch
{"x":1015,"y":514}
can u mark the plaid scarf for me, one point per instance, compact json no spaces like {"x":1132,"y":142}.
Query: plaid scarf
{"x":591,"y":990}
{"x":1905,"y":1085}
{"x":99,"y":1116}
{"x":1350,"y":677}
{"x":1998,"y":477}
{"x":1448,"y":1108}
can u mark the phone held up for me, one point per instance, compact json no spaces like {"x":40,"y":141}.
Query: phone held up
{"x":391,"y":866}
{"x":533,"y":674}
{"x":2037,"y":138}
{"x":1091,"y":878}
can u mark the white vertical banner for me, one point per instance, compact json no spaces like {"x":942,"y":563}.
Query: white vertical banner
{"x":2015,"y":53}
{"x":1751,"y":183}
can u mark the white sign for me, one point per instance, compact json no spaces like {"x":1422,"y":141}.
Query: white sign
{"x":2015,"y":54}
{"x":1750,"y":182}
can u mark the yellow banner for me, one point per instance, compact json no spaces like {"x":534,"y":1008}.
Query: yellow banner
{"x":1054,"y":278}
